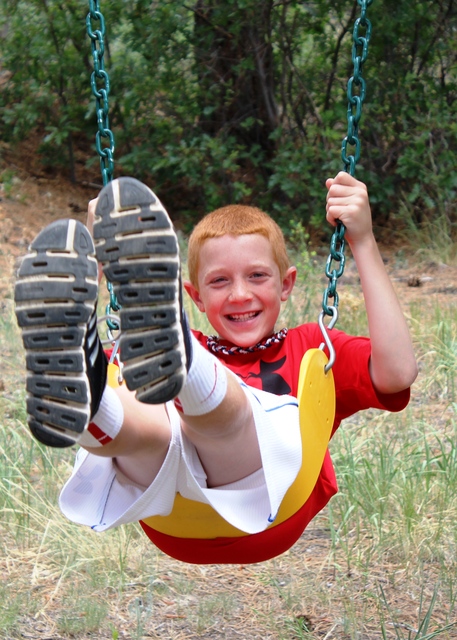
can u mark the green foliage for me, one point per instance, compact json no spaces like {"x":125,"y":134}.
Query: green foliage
{"x":230,"y":101}
{"x":44,"y":55}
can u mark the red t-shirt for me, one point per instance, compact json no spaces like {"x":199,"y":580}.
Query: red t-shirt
{"x":276,"y":369}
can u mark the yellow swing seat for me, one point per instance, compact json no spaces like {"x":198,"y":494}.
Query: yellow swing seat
{"x":194,"y":523}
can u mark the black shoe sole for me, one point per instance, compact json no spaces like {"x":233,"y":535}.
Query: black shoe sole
{"x":55,"y":295}
{"x":138,"y":249}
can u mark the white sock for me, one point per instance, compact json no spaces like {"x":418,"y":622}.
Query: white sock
{"x":206,"y":383}
{"x":106,"y":423}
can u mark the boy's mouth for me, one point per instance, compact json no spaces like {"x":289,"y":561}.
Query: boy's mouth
{"x":242,"y":317}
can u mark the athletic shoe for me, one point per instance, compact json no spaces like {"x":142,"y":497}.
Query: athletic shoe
{"x":55,"y":299}
{"x":138,"y":249}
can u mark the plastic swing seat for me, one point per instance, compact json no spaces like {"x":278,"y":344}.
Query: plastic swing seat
{"x":194,"y":532}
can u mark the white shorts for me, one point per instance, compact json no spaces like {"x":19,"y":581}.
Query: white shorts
{"x":100,"y":496}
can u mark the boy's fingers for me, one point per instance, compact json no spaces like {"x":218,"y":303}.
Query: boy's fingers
{"x":345,"y":181}
{"x":339,"y":190}
{"x":91,"y":214}
{"x":339,"y":194}
{"x":343,"y":177}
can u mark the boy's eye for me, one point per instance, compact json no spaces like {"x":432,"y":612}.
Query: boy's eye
{"x":258,"y":275}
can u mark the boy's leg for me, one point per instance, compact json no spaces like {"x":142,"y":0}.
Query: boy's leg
{"x":55,"y":299}
{"x":138,"y":248}
{"x":225,"y":437}
{"x":65,"y":382}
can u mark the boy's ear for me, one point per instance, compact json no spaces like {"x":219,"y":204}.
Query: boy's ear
{"x":193,"y":293}
{"x":288,"y":283}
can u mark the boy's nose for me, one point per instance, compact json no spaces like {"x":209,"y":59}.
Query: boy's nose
{"x":240,"y":291}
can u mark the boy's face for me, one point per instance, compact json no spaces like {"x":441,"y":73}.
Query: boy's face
{"x":240,"y":288}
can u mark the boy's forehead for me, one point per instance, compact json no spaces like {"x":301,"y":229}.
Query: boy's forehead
{"x":235,"y":251}
{"x":253,"y":243}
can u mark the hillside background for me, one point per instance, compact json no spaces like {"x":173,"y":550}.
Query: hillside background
{"x":219,"y":101}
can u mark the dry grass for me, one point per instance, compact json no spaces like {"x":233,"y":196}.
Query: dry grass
{"x":379,"y":563}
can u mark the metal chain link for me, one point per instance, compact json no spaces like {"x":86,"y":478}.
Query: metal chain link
{"x":359,"y":55}
{"x":100,"y":86}
{"x":354,"y":112}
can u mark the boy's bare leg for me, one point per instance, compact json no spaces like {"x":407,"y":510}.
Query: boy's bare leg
{"x":143,"y":440}
{"x":137,"y":246}
{"x":55,"y":295}
{"x":225,"y":438}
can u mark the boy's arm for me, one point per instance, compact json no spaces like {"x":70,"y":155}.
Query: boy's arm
{"x":393,"y":365}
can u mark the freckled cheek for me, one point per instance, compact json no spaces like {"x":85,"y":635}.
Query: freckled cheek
{"x":218,"y":299}
{"x":214,"y":308}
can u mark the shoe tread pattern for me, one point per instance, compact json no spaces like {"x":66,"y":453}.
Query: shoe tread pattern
{"x":138,"y":248}
{"x":55,"y":295}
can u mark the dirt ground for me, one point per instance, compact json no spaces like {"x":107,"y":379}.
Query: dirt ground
{"x":30,"y":200}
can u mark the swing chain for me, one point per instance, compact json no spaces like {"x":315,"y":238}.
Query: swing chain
{"x":112,"y":305}
{"x":354,"y":112}
{"x":355,"y":102}
{"x":100,"y":85}
{"x":337,"y":246}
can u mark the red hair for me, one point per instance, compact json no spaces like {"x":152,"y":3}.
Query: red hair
{"x":236,"y":220}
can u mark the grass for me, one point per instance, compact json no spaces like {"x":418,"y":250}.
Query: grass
{"x":379,"y":563}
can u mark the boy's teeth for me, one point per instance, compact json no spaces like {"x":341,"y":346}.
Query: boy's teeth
{"x":242,"y":317}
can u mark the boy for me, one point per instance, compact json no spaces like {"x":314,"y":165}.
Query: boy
{"x":216,"y":441}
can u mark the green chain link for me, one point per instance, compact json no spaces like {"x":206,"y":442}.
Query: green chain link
{"x":354,"y":112}
{"x":100,"y":88}
{"x":100,"y":85}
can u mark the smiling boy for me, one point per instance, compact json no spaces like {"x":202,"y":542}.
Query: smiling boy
{"x":215,"y":441}
{"x":237,"y":280}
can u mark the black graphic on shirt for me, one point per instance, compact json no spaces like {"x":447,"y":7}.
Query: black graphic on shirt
{"x":271,"y":381}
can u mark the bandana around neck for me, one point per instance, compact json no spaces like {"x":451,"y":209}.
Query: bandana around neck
{"x":215,"y":345}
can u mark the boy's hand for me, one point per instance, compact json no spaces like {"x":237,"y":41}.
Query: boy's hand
{"x":91,"y":214}
{"x":392,"y":363}
{"x":347,"y":201}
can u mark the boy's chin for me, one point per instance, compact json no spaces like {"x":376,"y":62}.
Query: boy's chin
{"x":235,"y":340}
{"x":244,"y":334}
{"x":245,"y":341}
